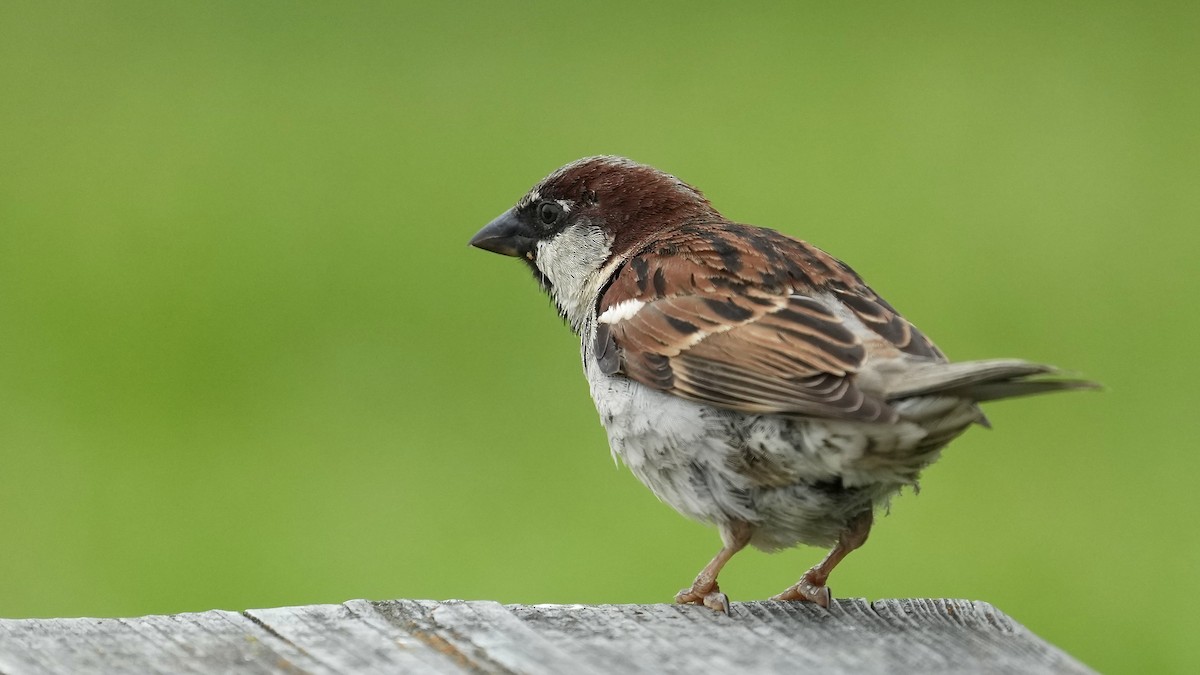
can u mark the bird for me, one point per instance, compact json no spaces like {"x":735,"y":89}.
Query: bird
{"x":749,"y":379}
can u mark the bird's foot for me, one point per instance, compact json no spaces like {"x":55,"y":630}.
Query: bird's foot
{"x":808,"y":591}
{"x":709,"y":595}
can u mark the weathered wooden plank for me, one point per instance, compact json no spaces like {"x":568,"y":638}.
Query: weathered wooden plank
{"x":453,"y":637}
{"x":353,"y":638}
{"x":853,"y":636}
{"x":207,"y":642}
{"x":501,"y":642}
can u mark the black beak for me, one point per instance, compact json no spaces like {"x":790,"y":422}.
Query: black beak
{"x":506,"y":235}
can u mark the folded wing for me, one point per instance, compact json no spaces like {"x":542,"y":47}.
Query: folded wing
{"x":735,"y":317}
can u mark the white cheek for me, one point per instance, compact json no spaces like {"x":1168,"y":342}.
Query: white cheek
{"x":572,"y":262}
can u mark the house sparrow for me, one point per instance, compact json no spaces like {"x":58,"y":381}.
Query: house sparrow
{"x":749,"y":379}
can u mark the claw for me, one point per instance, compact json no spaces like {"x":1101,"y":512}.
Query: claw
{"x":807,"y":591}
{"x":704,"y":590}
{"x":713,"y":598}
{"x":718,"y":602}
{"x":826,"y":597}
{"x":812,"y":586}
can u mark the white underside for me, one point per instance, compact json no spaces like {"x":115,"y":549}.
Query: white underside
{"x":685,"y":453}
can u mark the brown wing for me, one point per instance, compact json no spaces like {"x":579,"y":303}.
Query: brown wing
{"x":732,"y":316}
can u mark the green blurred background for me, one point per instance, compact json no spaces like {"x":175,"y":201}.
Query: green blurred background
{"x":247,"y":359}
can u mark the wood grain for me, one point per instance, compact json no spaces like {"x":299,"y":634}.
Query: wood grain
{"x":455,"y":637}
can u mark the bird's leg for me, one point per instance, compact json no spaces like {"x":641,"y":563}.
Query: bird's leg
{"x":704,"y":590}
{"x":811,"y":586}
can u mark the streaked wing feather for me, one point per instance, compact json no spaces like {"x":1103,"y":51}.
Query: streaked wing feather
{"x":733,"y":318}
{"x":878,"y":315}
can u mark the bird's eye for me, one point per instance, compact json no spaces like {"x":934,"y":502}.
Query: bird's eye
{"x":549,"y":213}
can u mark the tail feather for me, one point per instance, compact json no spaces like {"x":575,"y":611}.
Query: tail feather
{"x":994,"y":391}
{"x":987,"y":380}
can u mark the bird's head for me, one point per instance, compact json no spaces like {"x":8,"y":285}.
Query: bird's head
{"x":576,"y":225}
